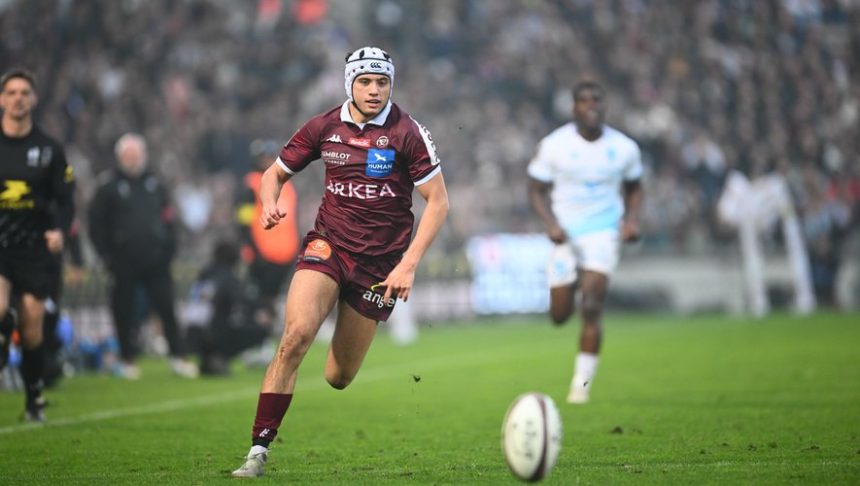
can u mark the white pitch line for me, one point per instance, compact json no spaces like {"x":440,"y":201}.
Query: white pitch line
{"x":368,"y":376}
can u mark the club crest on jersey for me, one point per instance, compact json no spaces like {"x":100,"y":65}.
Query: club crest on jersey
{"x":382,"y":142}
{"x":359,"y":142}
{"x":380,"y":162}
{"x":45,"y":158}
{"x":33,"y":157}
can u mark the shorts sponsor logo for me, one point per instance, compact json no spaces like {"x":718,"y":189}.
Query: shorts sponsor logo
{"x":382,"y":142}
{"x":360,"y":191}
{"x":317,"y":251}
{"x":378,"y":299}
{"x":380,"y":162}
{"x":359,"y":142}
{"x":336,"y":158}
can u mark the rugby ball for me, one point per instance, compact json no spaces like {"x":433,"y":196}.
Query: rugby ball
{"x":531,"y":436}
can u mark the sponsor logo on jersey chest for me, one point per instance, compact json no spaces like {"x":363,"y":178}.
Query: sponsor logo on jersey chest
{"x":380,"y":162}
{"x":334,"y":157}
{"x":359,"y":142}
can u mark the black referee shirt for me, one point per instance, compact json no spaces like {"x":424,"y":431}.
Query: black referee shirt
{"x":36,"y":188}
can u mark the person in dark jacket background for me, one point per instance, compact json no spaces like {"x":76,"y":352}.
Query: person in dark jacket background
{"x":226,"y":318}
{"x":131,"y":225}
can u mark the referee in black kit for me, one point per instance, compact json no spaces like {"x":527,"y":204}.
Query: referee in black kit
{"x":36,"y":210}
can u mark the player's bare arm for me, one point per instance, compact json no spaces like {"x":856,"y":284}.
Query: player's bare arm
{"x":539,"y":200}
{"x":633,"y":196}
{"x":270,"y":189}
{"x":399,"y":281}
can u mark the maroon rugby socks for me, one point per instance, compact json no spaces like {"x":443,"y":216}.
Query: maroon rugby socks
{"x":271,"y":408}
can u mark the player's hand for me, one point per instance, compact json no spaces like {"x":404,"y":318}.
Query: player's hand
{"x":271,"y":216}
{"x":398,"y":283}
{"x":54,"y":240}
{"x":630,"y":231}
{"x":556,"y":234}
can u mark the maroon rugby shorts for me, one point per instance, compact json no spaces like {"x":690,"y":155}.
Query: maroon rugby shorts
{"x":355,"y":275}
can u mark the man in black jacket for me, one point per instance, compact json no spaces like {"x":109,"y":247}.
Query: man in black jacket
{"x":131,"y":224}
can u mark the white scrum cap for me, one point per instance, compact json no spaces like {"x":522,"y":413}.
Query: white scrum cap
{"x":367,"y":60}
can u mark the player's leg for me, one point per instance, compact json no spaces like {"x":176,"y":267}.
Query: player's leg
{"x":593,"y":289}
{"x":353,"y":334}
{"x":594,"y":285}
{"x":562,"y":303}
{"x":51,"y":343}
{"x":599,"y":254}
{"x":311,"y":297}
{"x":7,"y":321}
{"x":32,"y":313}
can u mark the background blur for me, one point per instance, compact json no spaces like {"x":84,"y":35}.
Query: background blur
{"x":705,"y":87}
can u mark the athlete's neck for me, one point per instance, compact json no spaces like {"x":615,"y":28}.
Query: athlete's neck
{"x":590,"y":134}
{"x":17,"y":128}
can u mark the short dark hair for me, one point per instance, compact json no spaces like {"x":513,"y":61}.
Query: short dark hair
{"x":587,"y":85}
{"x":20,"y":73}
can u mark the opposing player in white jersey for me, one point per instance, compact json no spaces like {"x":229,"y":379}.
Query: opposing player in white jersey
{"x":591,"y":173}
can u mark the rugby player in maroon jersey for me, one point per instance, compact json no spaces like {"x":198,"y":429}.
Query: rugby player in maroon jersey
{"x":361,"y":255}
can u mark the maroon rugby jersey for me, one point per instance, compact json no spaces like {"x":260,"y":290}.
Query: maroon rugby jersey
{"x":369,"y":176}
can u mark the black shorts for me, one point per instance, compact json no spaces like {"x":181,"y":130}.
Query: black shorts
{"x":31,"y":271}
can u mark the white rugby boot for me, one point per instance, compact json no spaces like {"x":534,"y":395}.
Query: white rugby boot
{"x":254,"y":465}
{"x":579,"y":391}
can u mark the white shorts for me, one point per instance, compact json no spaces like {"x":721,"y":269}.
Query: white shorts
{"x":598,"y":251}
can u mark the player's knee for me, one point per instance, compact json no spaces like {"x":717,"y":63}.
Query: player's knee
{"x":338,"y":380}
{"x":559,"y":317}
{"x":592,"y":308}
{"x":293,"y":345}
{"x":31,"y":336}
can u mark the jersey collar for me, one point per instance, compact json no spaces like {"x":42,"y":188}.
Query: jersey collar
{"x":379,"y":119}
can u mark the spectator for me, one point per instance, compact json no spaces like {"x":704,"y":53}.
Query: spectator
{"x":132,"y":229}
{"x":226,"y":322}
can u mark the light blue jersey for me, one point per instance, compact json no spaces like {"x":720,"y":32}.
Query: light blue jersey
{"x":586,"y":177}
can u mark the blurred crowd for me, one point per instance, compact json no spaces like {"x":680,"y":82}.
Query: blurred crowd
{"x":705,"y":87}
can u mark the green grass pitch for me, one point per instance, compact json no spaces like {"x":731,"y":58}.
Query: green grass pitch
{"x":701,"y":400}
